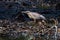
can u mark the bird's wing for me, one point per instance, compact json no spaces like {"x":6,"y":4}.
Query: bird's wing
{"x":42,"y":17}
{"x":38,"y":16}
{"x":35,"y":15}
{"x":30,"y":15}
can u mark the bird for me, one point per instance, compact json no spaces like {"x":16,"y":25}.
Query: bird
{"x":34,"y":15}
